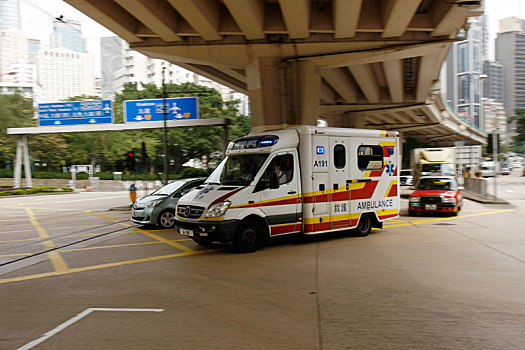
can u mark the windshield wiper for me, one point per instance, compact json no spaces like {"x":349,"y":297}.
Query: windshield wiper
{"x":212,"y":183}
{"x":159,"y":194}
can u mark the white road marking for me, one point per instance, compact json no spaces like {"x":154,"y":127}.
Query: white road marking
{"x":75,"y":319}
{"x":510,"y":191}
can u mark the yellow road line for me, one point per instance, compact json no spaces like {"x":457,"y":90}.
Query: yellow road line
{"x":422,"y":221}
{"x":66,"y":236}
{"x":56,"y":259}
{"x":147,"y":233}
{"x":16,"y":231}
{"x":103,"y":266}
{"x":94,"y":248}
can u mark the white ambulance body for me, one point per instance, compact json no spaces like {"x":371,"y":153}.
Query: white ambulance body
{"x":302,"y":179}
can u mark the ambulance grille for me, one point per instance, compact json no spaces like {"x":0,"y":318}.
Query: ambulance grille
{"x":189,"y":211}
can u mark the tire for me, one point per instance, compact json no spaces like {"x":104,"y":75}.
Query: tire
{"x":247,"y":238}
{"x":166,"y":219}
{"x":364,"y":226}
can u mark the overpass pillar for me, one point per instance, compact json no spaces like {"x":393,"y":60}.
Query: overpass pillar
{"x":283,"y":93}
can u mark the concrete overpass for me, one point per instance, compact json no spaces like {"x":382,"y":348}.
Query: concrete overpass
{"x":354,"y":63}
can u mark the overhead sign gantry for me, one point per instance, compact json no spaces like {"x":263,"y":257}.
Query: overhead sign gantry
{"x":75,"y":113}
{"x":181,"y":108}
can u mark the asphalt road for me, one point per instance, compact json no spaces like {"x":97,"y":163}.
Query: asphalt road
{"x":419,"y":283}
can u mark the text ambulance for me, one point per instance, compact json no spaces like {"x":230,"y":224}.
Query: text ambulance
{"x":303,"y":179}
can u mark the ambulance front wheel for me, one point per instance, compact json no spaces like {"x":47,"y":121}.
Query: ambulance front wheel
{"x":247,"y":238}
{"x":364,"y":226}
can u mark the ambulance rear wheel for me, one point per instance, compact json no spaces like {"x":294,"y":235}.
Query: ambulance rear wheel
{"x":247,"y":239}
{"x":364,"y":226}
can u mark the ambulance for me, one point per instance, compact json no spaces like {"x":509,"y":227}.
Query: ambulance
{"x":305,"y":179}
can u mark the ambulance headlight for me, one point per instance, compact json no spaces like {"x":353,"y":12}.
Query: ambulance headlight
{"x":218,"y":209}
{"x":415,"y":199}
{"x":448,"y":200}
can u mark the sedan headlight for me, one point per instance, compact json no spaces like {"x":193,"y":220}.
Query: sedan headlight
{"x":415,"y":199}
{"x":154,"y":203}
{"x":218,"y":209}
{"x":448,"y":200}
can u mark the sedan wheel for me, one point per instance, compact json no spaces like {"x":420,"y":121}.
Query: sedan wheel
{"x":166,"y":219}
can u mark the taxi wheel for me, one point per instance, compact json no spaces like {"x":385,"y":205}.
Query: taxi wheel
{"x":364,"y":226}
{"x":166,"y":219}
{"x":247,"y":239}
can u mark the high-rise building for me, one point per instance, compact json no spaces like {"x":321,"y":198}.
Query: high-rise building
{"x":13,"y":50}
{"x":67,"y":34}
{"x":511,"y":24}
{"x":64,"y":73}
{"x":493,"y":84}
{"x":32,"y":51}
{"x":112,"y":53}
{"x":121,"y":65}
{"x":510,"y":52}
{"x":495,"y":117}
{"x":9,"y":14}
{"x":464,"y":69}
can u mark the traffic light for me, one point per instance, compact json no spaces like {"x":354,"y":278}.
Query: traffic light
{"x":490,"y":143}
{"x":130,"y":160}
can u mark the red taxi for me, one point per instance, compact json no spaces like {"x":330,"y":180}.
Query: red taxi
{"x":436,"y":194}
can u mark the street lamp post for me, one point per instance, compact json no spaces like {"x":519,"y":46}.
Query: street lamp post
{"x":495,"y":157}
{"x":165,"y":138}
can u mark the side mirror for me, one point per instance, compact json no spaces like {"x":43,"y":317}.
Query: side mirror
{"x":274,"y":181}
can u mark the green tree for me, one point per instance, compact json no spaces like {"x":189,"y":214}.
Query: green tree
{"x":15,"y":111}
{"x":519,"y":138}
{"x":184,"y":144}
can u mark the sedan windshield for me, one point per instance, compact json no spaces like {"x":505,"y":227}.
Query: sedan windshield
{"x":168,"y":189}
{"x":437,"y":184}
{"x":237,"y":170}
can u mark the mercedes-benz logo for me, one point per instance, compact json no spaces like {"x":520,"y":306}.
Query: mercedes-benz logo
{"x":187,"y":212}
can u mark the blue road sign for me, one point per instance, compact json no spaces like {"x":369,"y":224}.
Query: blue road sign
{"x":75,"y":113}
{"x":181,"y":108}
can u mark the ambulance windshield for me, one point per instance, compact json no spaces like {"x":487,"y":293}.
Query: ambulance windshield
{"x":237,"y":170}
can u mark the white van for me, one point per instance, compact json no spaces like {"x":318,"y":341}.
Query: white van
{"x":302,"y":179}
{"x":487,"y":169}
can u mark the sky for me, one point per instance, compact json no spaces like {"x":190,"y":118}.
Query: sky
{"x":37,"y":21}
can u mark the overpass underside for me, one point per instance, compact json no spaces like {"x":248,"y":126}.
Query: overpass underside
{"x":354,"y":63}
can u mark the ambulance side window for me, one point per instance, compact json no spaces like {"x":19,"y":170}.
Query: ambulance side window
{"x":339,"y":156}
{"x":370,"y":157}
{"x":282,"y":166}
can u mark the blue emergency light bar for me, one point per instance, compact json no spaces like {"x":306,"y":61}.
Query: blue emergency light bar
{"x":255,"y":142}
{"x":266,"y":142}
